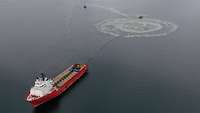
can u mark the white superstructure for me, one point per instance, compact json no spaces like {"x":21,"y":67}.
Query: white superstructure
{"x":42,"y":86}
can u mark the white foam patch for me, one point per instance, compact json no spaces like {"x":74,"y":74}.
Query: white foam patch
{"x":135,"y":27}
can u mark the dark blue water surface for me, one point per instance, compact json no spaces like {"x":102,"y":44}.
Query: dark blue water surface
{"x":143,"y":75}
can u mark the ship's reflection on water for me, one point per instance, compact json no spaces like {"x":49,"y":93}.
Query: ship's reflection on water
{"x":53,"y":105}
{"x":49,"y":107}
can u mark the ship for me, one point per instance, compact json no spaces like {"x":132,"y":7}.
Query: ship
{"x":45,"y":89}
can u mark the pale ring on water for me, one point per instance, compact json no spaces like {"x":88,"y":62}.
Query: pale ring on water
{"x":135,"y":27}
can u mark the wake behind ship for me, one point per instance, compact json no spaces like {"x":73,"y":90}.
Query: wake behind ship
{"x":46,"y":89}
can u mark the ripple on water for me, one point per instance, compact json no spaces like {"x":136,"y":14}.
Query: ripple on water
{"x":136,"y":27}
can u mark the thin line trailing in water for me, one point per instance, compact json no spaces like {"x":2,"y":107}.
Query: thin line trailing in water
{"x":100,"y":49}
{"x":113,"y":10}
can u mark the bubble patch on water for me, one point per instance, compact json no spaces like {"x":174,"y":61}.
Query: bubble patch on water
{"x":135,"y":27}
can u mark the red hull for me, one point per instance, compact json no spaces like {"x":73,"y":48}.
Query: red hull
{"x":60,"y":90}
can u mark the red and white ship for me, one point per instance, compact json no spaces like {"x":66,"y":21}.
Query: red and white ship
{"x":46,"y":89}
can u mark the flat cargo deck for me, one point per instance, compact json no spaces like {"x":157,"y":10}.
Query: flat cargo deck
{"x":63,"y":77}
{"x":58,"y":77}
